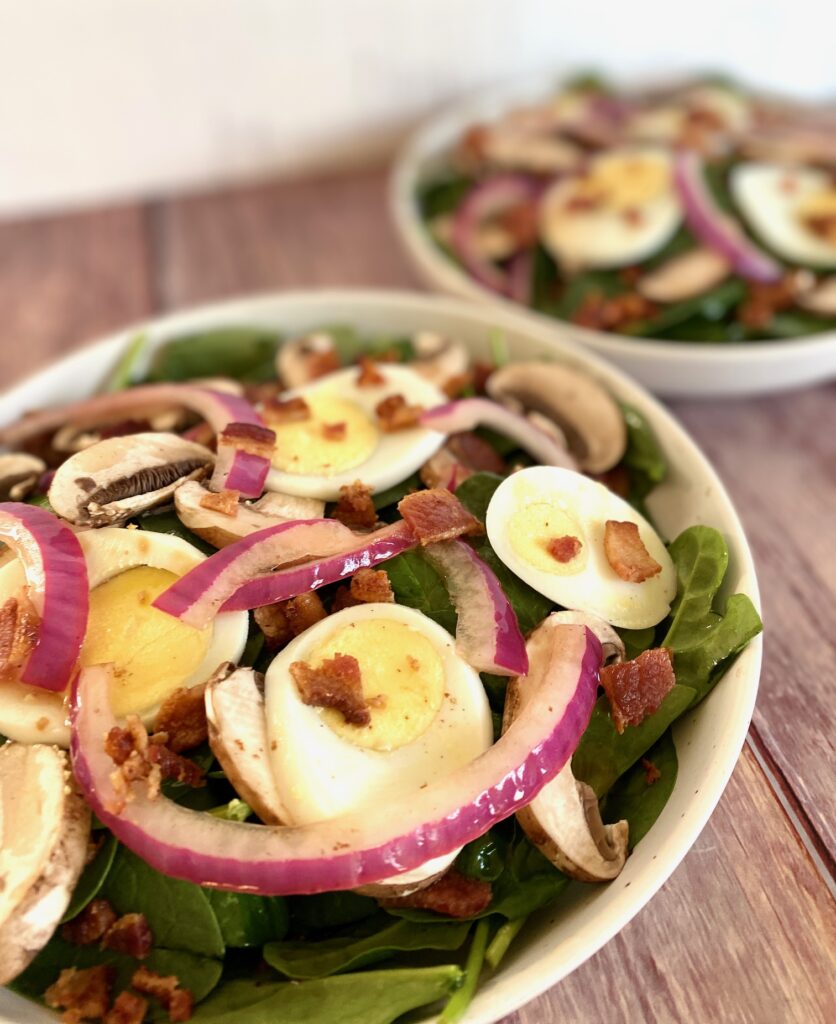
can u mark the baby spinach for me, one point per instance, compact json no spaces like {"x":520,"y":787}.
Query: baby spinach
{"x":243,"y":353}
{"x":636,"y":640}
{"x":248,"y":920}
{"x":329,"y":910}
{"x":476,"y":492}
{"x":458,"y":1003}
{"x":178,"y":913}
{"x":500,"y":943}
{"x":415,"y":583}
{"x":168,"y":522}
{"x":124,"y":373}
{"x":392,"y":495}
{"x":372,"y":997}
{"x":443,"y":196}
{"x":92,"y":878}
{"x":545,"y":282}
{"x":644,"y":458}
{"x":604,"y":283}
{"x":483,"y":858}
{"x":304,"y":960}
{"x":712,"y":306}
{"x":635,"y":798}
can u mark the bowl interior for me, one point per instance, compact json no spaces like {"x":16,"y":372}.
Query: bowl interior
{"x":709,"y":739}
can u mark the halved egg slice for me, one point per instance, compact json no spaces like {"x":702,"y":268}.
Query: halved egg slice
{"x":791,"y":209}
{"x":619,"y":211}
{"x":341,"y":441}
{"x":548,"y":526}
{"x":153,"y":653}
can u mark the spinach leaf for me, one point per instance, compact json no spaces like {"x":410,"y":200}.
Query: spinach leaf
{"x":634,"y":798}
{"x":168,"y":522}
{"x":392,"y":495}
{"x":500,"y":943}
{"x":329,"y":910}
{"x":350,"y":344}
{"x":711,"y":306}
{"x":124,"y":373}
{"x":415,"y":583}
{"x":371,"y":997}
{"x":545,"y":282}
{"x":483,"y":858}
{"x":243,"y":353}
{"x":636,"y":641}
{"x":443,"y":196}
{"x":304,"y":960}
{"x":178,"y":913}
{"x":458,"y":1003}
{"x":644,"y":459}
{"x":606,"y":283}
{"x":201,"y":798}
{"x":603,"y":754}
{"x":248,"y":920}
{"x":476,"y":492}
{"x":701,"y":558}
{"x":794,"y":323}
{"x":92,"y":878}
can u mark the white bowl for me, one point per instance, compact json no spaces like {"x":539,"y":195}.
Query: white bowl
{"x":674,"y":368}
{"x":708,"y":740}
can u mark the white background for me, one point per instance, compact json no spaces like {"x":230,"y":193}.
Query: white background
{"x":107,"y":98}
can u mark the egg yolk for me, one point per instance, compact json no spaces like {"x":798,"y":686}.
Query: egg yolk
{"x":630,"y":181}
{"x":337,"y":436}
{"x":152,"y":653}
{"x":818,"y":213}
{"x":402,"y":677}
{"x":539,"y":527}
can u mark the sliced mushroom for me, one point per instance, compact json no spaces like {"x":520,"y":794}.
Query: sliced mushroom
{"x":510,"y":148}
{"x":685,"y":276}
{"x":45,"y":831}
{"x":438,"y":358}
{"x":117,"y":478}
{"x":821,"y":298}
{"x":583,"y":409}
{"x":564,"y":821}
{"x":611,"y":642}
{"x":409,"y":881}
{"x":18,"y":475}
{"x":219,"y":529}
{"x":304,"y":359}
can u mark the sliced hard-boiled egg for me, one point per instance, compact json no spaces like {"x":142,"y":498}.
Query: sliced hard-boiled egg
{"x":620,"y":210}
{"x":548,"y":526}
{"x":341,"y":440}
{"x":791,"y":209}
{"x":153,"y":654}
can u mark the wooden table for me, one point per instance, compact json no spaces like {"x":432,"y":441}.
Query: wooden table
{"x":745,"y":931}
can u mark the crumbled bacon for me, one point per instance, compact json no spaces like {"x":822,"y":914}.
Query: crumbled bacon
{"x":454,"y":894}
{"x":481,"y":372}
{"x":263,"y":393}
{"x":249,"y":438}
{"x":18,"y":632}
{"x":369,"y":376}
{"x":355,"y":508}
{"x":139,"y":759}
{"x":367,"y":586}
{"x":616,"y":479}
{"x":288,"y":410}
{"x":178,"y":1001}
{"x":521,"y":221}
{"x":765,"y":299}
{"x":394,"y":413}
{"x":90,"y":925}
{"x":272,"y":622}
{"x":173,"y":766}
{"x":455,"y":386}
{"x":304,"y":611}
{"x":121,"y":743}
{"x":334,"y":431}
{"x":128,"y":1008}
{"x":334,"y":684}
{"x":131,"y":935}
{"x":651,"y":772}
{"x":436,"y":515}
{"x":628,"y":557}
{"x":225,"y":502}
{"x":84,"y":994}
{"x":473,"y":144}
{"x":564,"y":549}
{"x":476,"y":453}
{"x":635,"y":689}
{"x":182,"y":717}
{"x":610,"y":314}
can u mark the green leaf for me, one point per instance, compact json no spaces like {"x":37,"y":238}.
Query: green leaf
{"x":443,"y":195}
{"x":329,"y":910}
{"x":500,"y":943}
{"x":124,"y":373}
{"x":636,"y":641}
{"x":545,"y":282}
{"x":248,"y":920}
{"x":701,"y":557}
{"x":606,"y":283}
{"x":639,"y":802}
{"x":644,"y":459}
{"x":529,"y":606}
{"x":392,"y":495}
{"x":177,"y":912}
{"x":92,"y":878}
{"x":604,"y":754}
{"x":460,"y":1000}
{"x":415,"y":583}
{"x":712,"y":306}
{"x":483,"y":858}
{"x":243,"y":353}
{"x":371,"y":997}
{"x":304,"y":960}
{"x":234,"y":810}
{"x":169,"y":522}
{"x":476,"y":492}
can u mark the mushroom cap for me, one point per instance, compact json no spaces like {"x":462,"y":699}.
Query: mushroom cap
{"x":19,"y":473}
{"x":117,"y":478}
{"x":684,"y":276}
{"x":438,"y":358}
{"x":583,"y":409}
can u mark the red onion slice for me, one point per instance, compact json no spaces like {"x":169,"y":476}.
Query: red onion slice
{"x":716,"y":229}
{"x":485,"y":200}
{"x":56,"y":577}
{"x":467,"y":413}
{"x":488,"y":635}
{"x":358,"y":848}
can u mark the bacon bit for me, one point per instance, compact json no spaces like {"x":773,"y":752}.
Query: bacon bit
{"x":473,"y":145}
{"x":564,"y":549}
{"x":626,"y":553}
{"x":453,"y":387}
{"x":138,"y":760}
{"x":355,"y":509}
{"x":764,"y":300}
{"x":630,"y":275}
{"x":262,"y":394}
{"x":178,"y":1001}
{"x":651,"y":772}
{"x":249,"y":438}
{"x":367,"y":586}
{"x":616,"y":479}
{"x":481,"y":372}
{"x":635,"y":689}
{"x":369,"y":376}
{"x":272,"y":622}
{"x":436,"y":515}
{"x":304,"y":611}
{"x":129,"y":1008}
{"x":454,"y":894}
{"x":334,"y":684}
{"x":131,"y":935}
{"x":225,"y":502}
{"x":393,"y":413}
{"x":182,"y":716}
{"x":173,"y":766}
{"x":334,"y":431}
{"x":633,"y":216}
{"x":85,"y":994}
{"x":476,"y":453}
{"x":120,"y":743}
{"x":583,"y":203}
{"x":603,"y":314}
{"x":18,"y":633}
{"x":522,"y":223}
{"x":90,"y":925}
{"x":289,"y":410}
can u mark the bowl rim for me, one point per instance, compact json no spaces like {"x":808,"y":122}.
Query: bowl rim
{"x":553,"y":964}
{"x":434,"y":134}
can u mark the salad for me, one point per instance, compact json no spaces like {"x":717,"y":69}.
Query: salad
{"x":324,"y":664}
{"x":696,"y":212}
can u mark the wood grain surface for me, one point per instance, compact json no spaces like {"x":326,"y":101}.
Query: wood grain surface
{"x":745,"y":931}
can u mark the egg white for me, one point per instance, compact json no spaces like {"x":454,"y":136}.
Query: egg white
{"x":395,"y":456}
{"x":594,"y":587}
{"x":31,"y":715}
